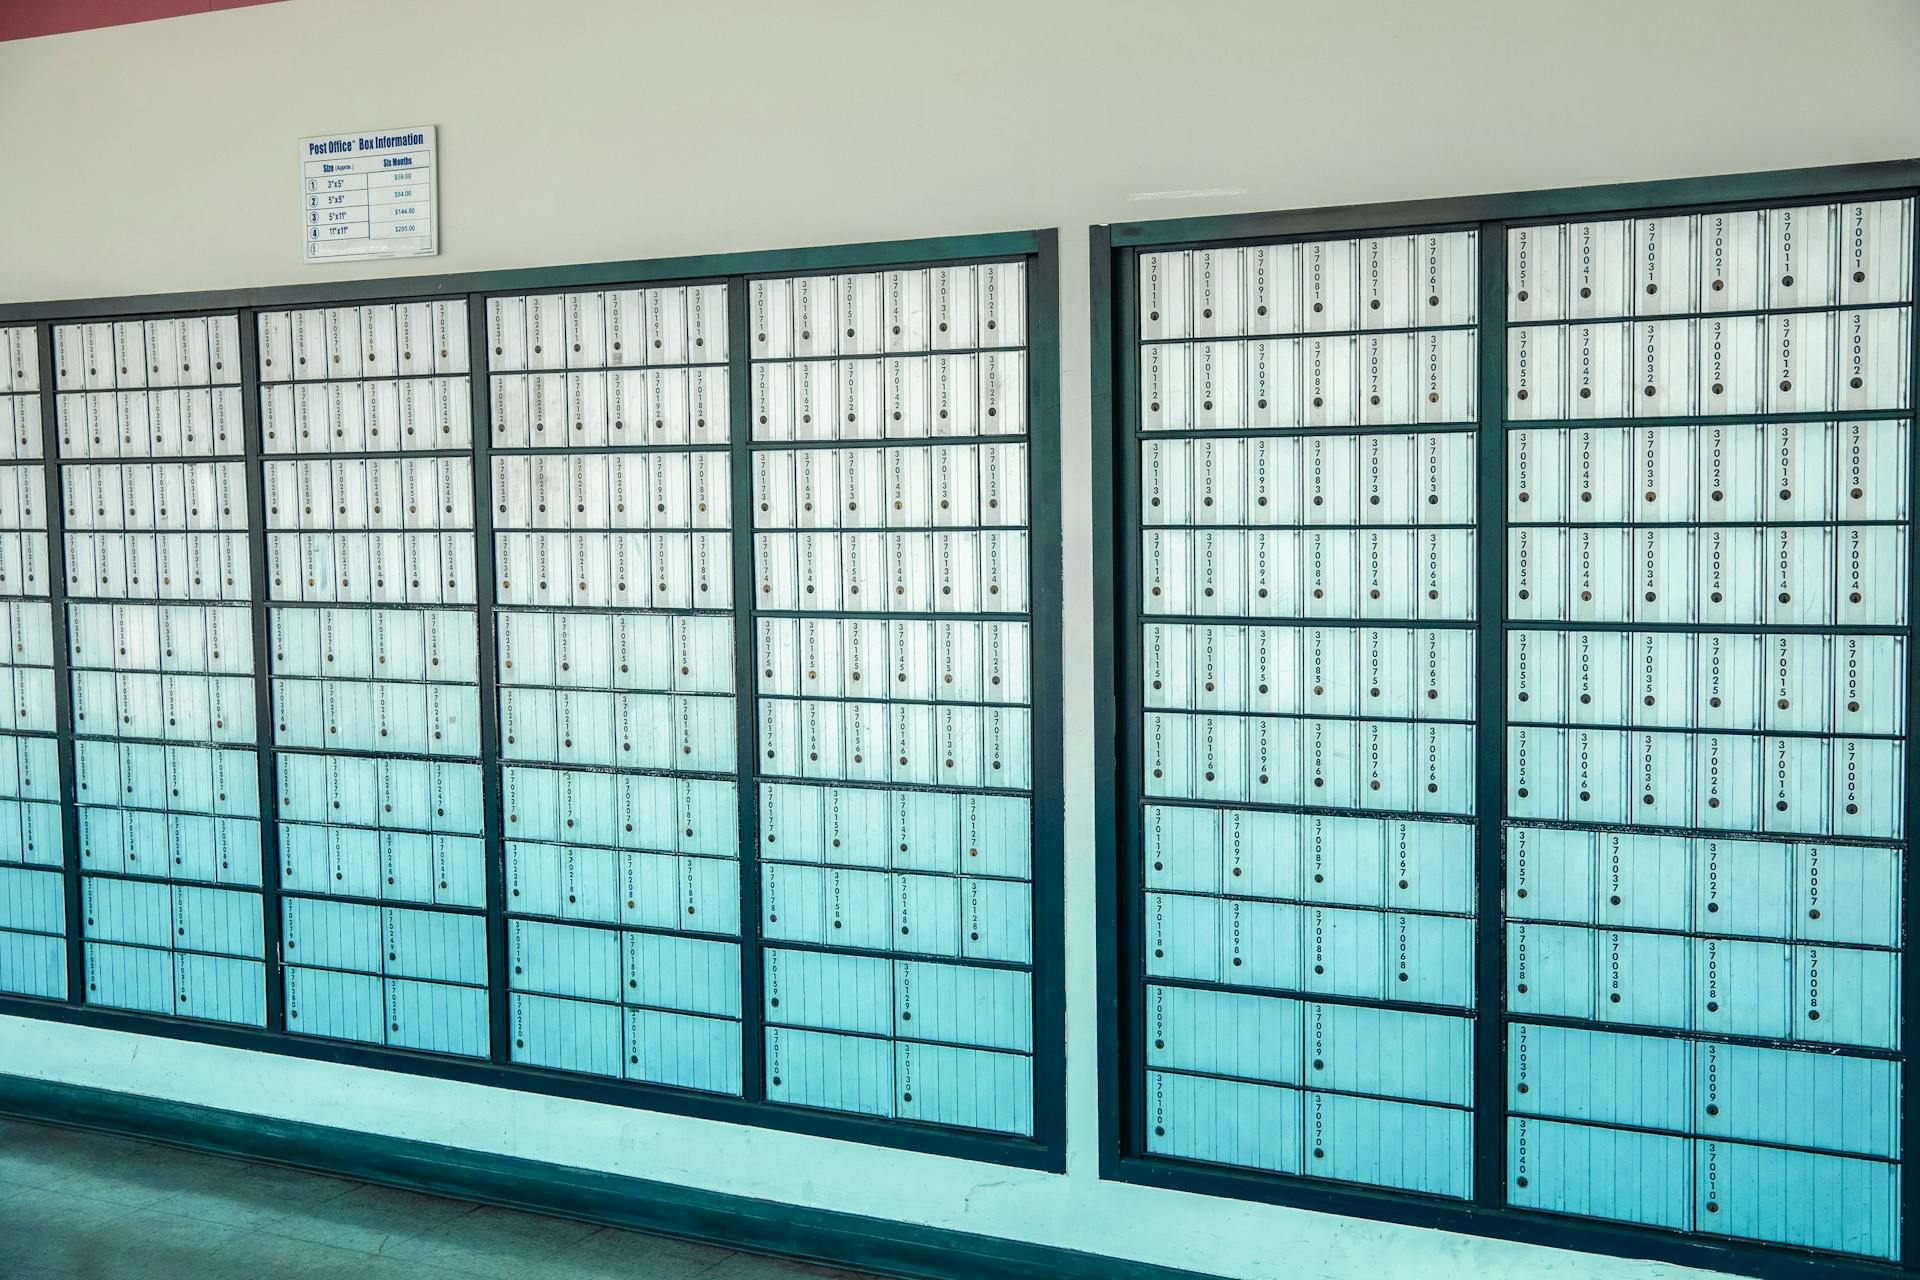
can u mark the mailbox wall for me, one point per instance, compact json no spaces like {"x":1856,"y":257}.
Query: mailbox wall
{"x":703,"y":130}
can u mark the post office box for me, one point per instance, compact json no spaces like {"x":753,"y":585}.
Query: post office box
{"x":1536,"y":677}
{"x":1536,"y":773}
{"x":1217,"y":483}
{"x":1600,"y":1077}
{"x":1644,"y":979}
{"x":1801,"y":247}
{"x":1872,"y":466}
{"x":1273,"y":681}
{"x":1876,"y":251}
{"x":1794,"y":784}
{"x":1598,"y":268}
{"x":1329,"y":561}
{"x":1218,"y":385}
{"x":953,"y":386}
{"x":1664,"y":266}
{"x":1345,"y":952}
{"x":1599,"y":675}
{"x":1600,"y":787}
{"x":1846,"y":996}
{"x":1329,"y":382}
{"x":1661,"y":670}
{"x":953,"y":307}
{"x":1216,"y":292}
{"x":815,"y":413}
{"x":1663,"y":565}
{"x":1798,"y":483}
{"x":1663,"y":484}
{"x":1165,"y":388}
{"x":1797,"y":1198}
{"x":1846,"y":894}
{"x":1873,"y":359}
{"x":1219,"y":572}
{"x":1742,"y":886}
{"x":1797,"y":575}
{"x":1600,"y":1172}
{"x":1551,"y":874}
{"x":1219,"y":757}
{"x":1730,"y":576}
{"x":1800,"y":372}
{"x":1387,"y":479}
{"x":1663,"y":764}
{"x":1643,"y":881}
{"x":1181,"y":849}
{"x":1728,"y":255}
{"x":1536,"y":378}
{"x":1537,"y":573}
{"x":1604,"y":567}
{"x":859,"y":913}
{"x":1868,"y":683}
{"x":1275,"y":580}
{"x":1599,"y":368}
{"x":1727,"y":781}
{"x":1871,"y":575}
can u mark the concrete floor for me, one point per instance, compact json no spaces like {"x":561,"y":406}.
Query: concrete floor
{"x":83,"y":1206}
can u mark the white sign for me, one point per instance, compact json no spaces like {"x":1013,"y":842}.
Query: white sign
{"x":370,"y":195}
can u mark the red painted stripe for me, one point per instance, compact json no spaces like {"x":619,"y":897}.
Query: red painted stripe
{"x":23,"y":19}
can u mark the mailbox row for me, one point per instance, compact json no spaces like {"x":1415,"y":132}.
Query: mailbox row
{"x":912,"y":487}
{"x":951,"y":308}
{"x":1844,"y":893}
{"x":1270,"y":384}
{"x":1715,"y":781}
{"x":1358,"y":953}
{"x":891,"y":398}
{"x":406,"y":416}
{"x":1400,"y":864}
{"x":1800,"y":362}
{"x":1312,"y":286}
{"x":136,"y":566}
{"x":902,"y":659}
{"x":184,"y":351}
{"x":1376,"y":478}
{"x":377,"y":340}
{"x":1713,"y":1187}
{"x":202,"y":423}
{"x":622,"y":409}
{"x":1401,"y":574}
{"x":1812,"y":992}
{"x":667,"y":325}
{"x":945,"y":571}
{"x":666,"y":490}
{"x":1390,"y":673}
{"x":1804,"y":575}
{"x":351,"y":494}
{"x":1739,"y":472}
{"x":1850,"y":253}
{"x":1390,"y":766}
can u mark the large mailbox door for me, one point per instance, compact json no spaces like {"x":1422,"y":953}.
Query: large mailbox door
{"x":1738,"y":902}
{"x":367,"y":444}
{"x":1304,"y":463}
{"x":893,"y":687}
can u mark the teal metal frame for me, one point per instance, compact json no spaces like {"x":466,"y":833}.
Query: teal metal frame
{"x":1046,"y":1150}
{"x":1115,"y":251}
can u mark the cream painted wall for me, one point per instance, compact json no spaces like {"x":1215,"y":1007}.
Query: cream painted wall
{"x":161,"y":157}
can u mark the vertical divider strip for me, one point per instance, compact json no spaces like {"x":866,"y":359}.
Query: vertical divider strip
{"x":753,"y":1077}
{"x":62,"y":675}
{"x":1132,"y":996}
{"x":258,"y":609}
{"x":1489,"y":1049}
{"x":1047,"y":745}
{"x":492,"y":829}
{"x":1909,"y":1195}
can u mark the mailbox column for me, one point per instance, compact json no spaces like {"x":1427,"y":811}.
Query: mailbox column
{"x":1709,"y":466}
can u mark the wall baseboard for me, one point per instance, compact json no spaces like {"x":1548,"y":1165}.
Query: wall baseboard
{"x":659,"y":1208}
